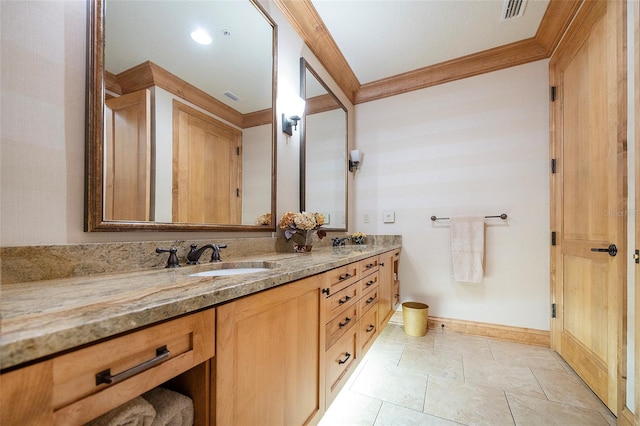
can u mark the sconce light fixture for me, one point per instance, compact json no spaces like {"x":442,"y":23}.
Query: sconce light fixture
{"x":290,"y":124}
{"x":354,"y":160}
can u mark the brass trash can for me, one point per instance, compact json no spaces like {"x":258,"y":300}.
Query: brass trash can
{"x":415,"y":317}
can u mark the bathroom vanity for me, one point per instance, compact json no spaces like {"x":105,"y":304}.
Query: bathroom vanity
{"x":271,"y":347}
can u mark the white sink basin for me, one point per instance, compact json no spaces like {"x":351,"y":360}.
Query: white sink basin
{"x":228,"y":271}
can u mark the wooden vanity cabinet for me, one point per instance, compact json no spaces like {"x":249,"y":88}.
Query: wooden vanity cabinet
{"x":270,"y":348}
{"x":73,"y":388}
{"x":388,"y":290}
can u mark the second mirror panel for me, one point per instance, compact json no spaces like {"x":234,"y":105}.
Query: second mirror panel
{"x":323,"y":162}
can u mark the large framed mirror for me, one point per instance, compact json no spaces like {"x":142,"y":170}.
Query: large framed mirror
{"x":180,"y":116}
{"x":323,"y":150}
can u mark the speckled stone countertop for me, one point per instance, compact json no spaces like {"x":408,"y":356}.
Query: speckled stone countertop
{"x":42,"y":318}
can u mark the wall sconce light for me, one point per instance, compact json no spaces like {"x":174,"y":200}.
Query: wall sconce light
{"x":354,"y":160}
{"x":290,"y":124}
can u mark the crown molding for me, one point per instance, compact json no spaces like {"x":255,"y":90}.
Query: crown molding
{"x":307,"y":22}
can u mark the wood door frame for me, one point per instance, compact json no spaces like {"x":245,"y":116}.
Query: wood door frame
{"x":589,"y":13}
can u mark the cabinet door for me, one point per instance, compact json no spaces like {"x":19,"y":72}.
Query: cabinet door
{"x":26,"y":396}
{"x":385,"y":292}
{"x":269,"y":348}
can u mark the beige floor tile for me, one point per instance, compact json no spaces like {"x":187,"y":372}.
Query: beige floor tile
{"x":385,"y":350}
{"x":351,"y":409}
{"x":539,"y":412}
{"x":437,"y":363}
{"x":513,"y":378}
{"x":521,"y":354}
{"x":477,"y":347}
{"x":568,"y":389}
{"x":466,"y":403}
{"x":395,"y":333}
{"x":384,"y":381}
{"x":393,"y":415}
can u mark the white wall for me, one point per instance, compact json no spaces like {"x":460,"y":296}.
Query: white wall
{"x":478,"y":146}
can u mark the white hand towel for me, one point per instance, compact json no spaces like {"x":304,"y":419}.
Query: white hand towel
{"x":467,"y":248}
{"x":137,"y":412}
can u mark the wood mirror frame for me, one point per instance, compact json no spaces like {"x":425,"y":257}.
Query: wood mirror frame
{"x":323,"y":107}
{"x":94,"y":163}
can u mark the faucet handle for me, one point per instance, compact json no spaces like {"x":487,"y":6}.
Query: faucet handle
{"x":172,"y":261}
{"x":215,"y":256}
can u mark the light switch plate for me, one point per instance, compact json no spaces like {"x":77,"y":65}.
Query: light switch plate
{"x":389,"y":217}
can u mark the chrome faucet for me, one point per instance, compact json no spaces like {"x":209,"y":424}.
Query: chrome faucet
{"x":194,"y":254}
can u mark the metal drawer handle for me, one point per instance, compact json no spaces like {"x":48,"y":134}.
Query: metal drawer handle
{"x":344,"y":277}
{"x":162,"y":353}
{"x":342,"y":361}
{"x":370,"y":329}
{"x":347,"y":320}
{"x":370,"y":283}
{"x":612,"y":250}
{"x":370,"y":265}
{"x":369,"y":300}
{"x":344,"y":300}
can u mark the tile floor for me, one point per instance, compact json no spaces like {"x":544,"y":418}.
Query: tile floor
{"x":447,"y":378}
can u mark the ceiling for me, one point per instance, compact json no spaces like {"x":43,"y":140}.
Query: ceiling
{"x":390,"y":37}
{"x":379,"y":48}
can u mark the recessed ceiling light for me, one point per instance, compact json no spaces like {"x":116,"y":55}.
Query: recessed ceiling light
{"x":200,"y":36}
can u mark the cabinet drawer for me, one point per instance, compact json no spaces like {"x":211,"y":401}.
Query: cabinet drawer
{"x":368,"y":266}
{"x":367,"y":330}
{"x":368,"y":283}
{"x":133,"y":364}
{"x":338,"y":326}
{"x":339,"y":278}
{"x":338,"y":360}
{"x":340,"y":300}
{"x":368,"y":301}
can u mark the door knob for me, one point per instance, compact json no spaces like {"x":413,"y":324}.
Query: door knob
{"x":612,"y":250}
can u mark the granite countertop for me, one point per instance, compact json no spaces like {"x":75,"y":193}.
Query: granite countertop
{"x":42,"y":318}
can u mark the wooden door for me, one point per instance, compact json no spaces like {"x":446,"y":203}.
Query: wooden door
{"x":269,"y":357}
{"x":128,"y":157}
{"x":206,"y":169}
{"x":589,"y":198}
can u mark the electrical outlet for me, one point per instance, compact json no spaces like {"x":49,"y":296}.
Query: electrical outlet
{"x":365,"y":218}
{"x":327,"y":218}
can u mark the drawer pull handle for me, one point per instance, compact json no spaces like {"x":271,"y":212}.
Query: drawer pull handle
{"x":370,"y":329}
{"x":344,"y":300}
{"x":347,"y":320}
{"x":162,"y":353}
{"x":344,"y":277}
{"x":369,"y":300}
{"x":370,"y":265}
{"x":372,"y":282}
{"x":342,"y":361}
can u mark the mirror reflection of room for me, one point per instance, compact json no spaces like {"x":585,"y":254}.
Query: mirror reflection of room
{"x":325,"y":146}
{"x":188,"y":112}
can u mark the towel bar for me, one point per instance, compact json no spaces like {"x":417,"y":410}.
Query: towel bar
{"x":501,"y":216}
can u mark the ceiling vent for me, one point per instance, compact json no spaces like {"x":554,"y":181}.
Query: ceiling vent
{"x":513,"y":9}
{"x":231,"y":96}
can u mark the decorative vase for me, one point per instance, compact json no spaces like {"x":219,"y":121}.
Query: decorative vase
{"x":303,"y":241}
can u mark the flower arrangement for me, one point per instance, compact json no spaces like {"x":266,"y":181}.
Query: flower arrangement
{"x":301,"y":227}
{"x":358,"y":237}
{"x":264,"y":219}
